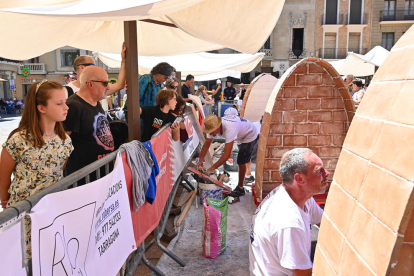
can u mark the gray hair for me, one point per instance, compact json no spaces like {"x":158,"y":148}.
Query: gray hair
{"x":171,"y":80}
{"x":293,"y":162}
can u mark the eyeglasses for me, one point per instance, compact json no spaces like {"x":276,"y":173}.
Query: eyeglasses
{"x":86,"y":64}
{"x":105,"y":83}
{"x":173,"y":87}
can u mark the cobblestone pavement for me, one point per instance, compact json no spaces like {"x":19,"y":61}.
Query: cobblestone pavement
{"x":8,"y":122}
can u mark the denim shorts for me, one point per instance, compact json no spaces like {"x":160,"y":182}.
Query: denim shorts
{"x":245,"y":151}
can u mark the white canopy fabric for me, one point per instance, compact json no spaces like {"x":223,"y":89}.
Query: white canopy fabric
{"x":361,"y":65}
{"x":204,"y":66}
{"x":35,"y":27}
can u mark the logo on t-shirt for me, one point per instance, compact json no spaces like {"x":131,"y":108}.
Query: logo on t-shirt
{"x":102,"y":132}
{"x":157,"y":123}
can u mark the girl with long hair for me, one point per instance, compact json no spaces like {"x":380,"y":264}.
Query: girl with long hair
{"x":36,"y":152}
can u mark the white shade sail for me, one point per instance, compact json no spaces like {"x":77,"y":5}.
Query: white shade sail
{"x":37,"y":27}
{"x":361,"y":65}
{"x":204,"y":66}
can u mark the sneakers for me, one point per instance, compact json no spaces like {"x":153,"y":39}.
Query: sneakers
{"x":249,"y":179}
{"x":239,"y":191}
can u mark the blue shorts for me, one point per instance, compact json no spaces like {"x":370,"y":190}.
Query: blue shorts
{"x":245,"y":151}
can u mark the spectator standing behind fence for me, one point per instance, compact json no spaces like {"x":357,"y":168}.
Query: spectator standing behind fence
{"x":179,"y":111}
{"x":82,"y":62}
{"x":172,"y":83}
{"x":186,"y":88}
{"x":280,"y":240}
{"x":86,"y":122}
{"x":36,"y":152}
{"x":155,"y":117}
{"x":150,"y":84}
{"x":229,"y":92}
{"x":348,"y":81}
{"x":358,"y":92}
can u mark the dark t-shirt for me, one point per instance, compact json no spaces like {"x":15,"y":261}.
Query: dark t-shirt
{"x":91,"y":137}
{"x":242,"y":94}
{"x":154,"y":119}
{"x":229,"y":92}
{"x":185,"y":91}
{"x":217,"y":97}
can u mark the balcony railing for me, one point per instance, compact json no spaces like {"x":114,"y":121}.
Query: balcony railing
{"x":357,"y":20}
{"x":334,"y":21}
{"x":267,"y":52}
{"x":339,"y":53}
{"x":35,"y":68}
{"x":397,"y":15}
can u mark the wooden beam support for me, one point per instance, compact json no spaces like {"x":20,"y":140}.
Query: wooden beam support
{"x":178,"y":76}
{"x":132,"y":78}
{"x":157,"y":22}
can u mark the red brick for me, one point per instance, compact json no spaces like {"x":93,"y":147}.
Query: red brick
{"x":281,"y":129}
{"x":332,"y":103}
{"x":301,"y":69}
{"x":314,"y":68}
{"x":288,"y":104}
{"x":276,"y":116}
{"x":268,"y":153}
{"x":278,"y":152}
{"x":295,"y":140}
{"x":338,"y":140}
{"x":319,"y":140}
{"x":290,"y":81}
{"x":327,"y":163}
{"x":295,"y":92}
{"x":349,"y":105}
{"x":266,"y":176}
{"x":272,"y":164}
{"x":307,"y":128}
{"x":314,"y":79}
{"x":329,"y":152}
{"x":276,"y":176}
{"x":339,"y":116}
{"x":320,"y":91}
{"x":308,"y":104}
{"x":274,"y":141}
{"x":320,"y":116}
{"x":327,"y":79}
{"x":294,"y":116}
{"x":339,"y":82}
{"x":333,"y":164}
{"x":332,"y":128}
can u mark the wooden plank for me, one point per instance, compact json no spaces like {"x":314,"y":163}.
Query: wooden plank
{"x":187,"y":197}
{"x":187,"y":207}
{"x":209,"y":178}
{"x":132,"y":78}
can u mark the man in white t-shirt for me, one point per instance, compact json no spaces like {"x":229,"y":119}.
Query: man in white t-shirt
{"x":280,"y":240}
{"x":233,"y":129}
{"x":83,"y":62}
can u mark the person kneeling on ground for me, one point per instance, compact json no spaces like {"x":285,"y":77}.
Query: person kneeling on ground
{"x":280,"y":240}
{"x":232,"y":128}
{"x":155,"y":117}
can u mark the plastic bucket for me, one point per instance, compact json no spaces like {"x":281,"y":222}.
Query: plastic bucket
{"x":209,"y":191}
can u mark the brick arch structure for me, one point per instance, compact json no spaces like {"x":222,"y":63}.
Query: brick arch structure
{"x":310,"y":106}
{"x":256,"y":97}
{"x":368,"y":225}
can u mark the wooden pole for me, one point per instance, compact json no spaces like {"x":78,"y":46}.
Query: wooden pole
{"x":178,"y":76}
{"x":132,"y":78}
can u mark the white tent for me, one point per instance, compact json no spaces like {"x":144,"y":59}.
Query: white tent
{"x":164,"y":27}
{"x":361,"y":65}
{"x":204,"y":66}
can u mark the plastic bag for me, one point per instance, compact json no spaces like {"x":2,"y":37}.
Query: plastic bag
{"x":214,"y":227}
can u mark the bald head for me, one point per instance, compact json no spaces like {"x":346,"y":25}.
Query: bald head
{"x":93,"y":73}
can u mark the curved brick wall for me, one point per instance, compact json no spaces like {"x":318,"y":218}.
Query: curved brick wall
{"x":368,"y":225}
{"x":256,"y":97}
{"x":309,"y":107}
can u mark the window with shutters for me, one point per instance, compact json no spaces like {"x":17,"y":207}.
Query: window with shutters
{"x":387,"y":40}
{"x":389,"y":10}
{"x":354,"y":42}
{"x":331,"y":11}
{"x":330,"y":45}
{"x":409,"y":10}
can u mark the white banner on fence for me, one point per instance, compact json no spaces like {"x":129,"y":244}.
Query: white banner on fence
{"x":84,"y":231}
{"x":11,"y":247}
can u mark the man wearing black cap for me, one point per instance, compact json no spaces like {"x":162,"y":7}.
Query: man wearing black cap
{"x":150,"y":84}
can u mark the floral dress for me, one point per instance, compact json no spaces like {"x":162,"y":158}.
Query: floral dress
{"x":36,"y":169}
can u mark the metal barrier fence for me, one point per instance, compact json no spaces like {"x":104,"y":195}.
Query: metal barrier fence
{"x":71,"y":180}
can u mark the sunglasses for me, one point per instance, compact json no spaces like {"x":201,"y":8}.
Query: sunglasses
{"x":173,"y":87}
{"x":105,"y":83}
{"x":87,"y":64}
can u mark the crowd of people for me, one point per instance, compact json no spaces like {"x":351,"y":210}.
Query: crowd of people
{"x":356,"y":88}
